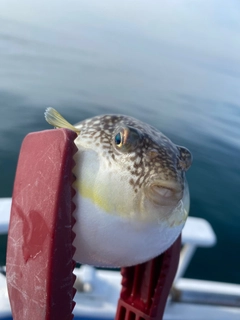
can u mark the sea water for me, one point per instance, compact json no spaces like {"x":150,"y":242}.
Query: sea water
{"x":175,"y":65}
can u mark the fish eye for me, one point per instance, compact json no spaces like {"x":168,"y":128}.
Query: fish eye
{"x":126,"y":139}
{"x":119,"y":139}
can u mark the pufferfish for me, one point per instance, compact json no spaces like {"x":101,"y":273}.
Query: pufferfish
{"x":132,"y":198}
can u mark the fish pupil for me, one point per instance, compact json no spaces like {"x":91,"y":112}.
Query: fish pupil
{"x":118,"y":139}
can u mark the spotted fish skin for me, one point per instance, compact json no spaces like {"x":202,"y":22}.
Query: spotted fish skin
{"x":132,"y":197}
{"x":154,"y":153}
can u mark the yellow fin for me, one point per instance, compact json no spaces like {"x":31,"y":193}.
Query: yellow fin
{"x":56,"y":119}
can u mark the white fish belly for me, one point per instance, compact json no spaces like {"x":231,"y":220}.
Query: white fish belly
{"x":108,"y":240}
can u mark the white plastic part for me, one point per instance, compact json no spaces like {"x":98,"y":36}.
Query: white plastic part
{"x":5,"y":208}
{"x":198,"y":232}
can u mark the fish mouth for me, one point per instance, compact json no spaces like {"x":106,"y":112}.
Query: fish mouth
{"x":166,"y":194}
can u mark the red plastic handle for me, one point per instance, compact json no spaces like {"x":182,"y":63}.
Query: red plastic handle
{"x":145,"y":287}
{"x":39,"y":252}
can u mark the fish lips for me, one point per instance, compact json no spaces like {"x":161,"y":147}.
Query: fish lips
{"x":164,"y":194}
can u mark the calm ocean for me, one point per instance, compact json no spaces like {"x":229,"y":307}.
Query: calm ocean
{"x":173,"y":64}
